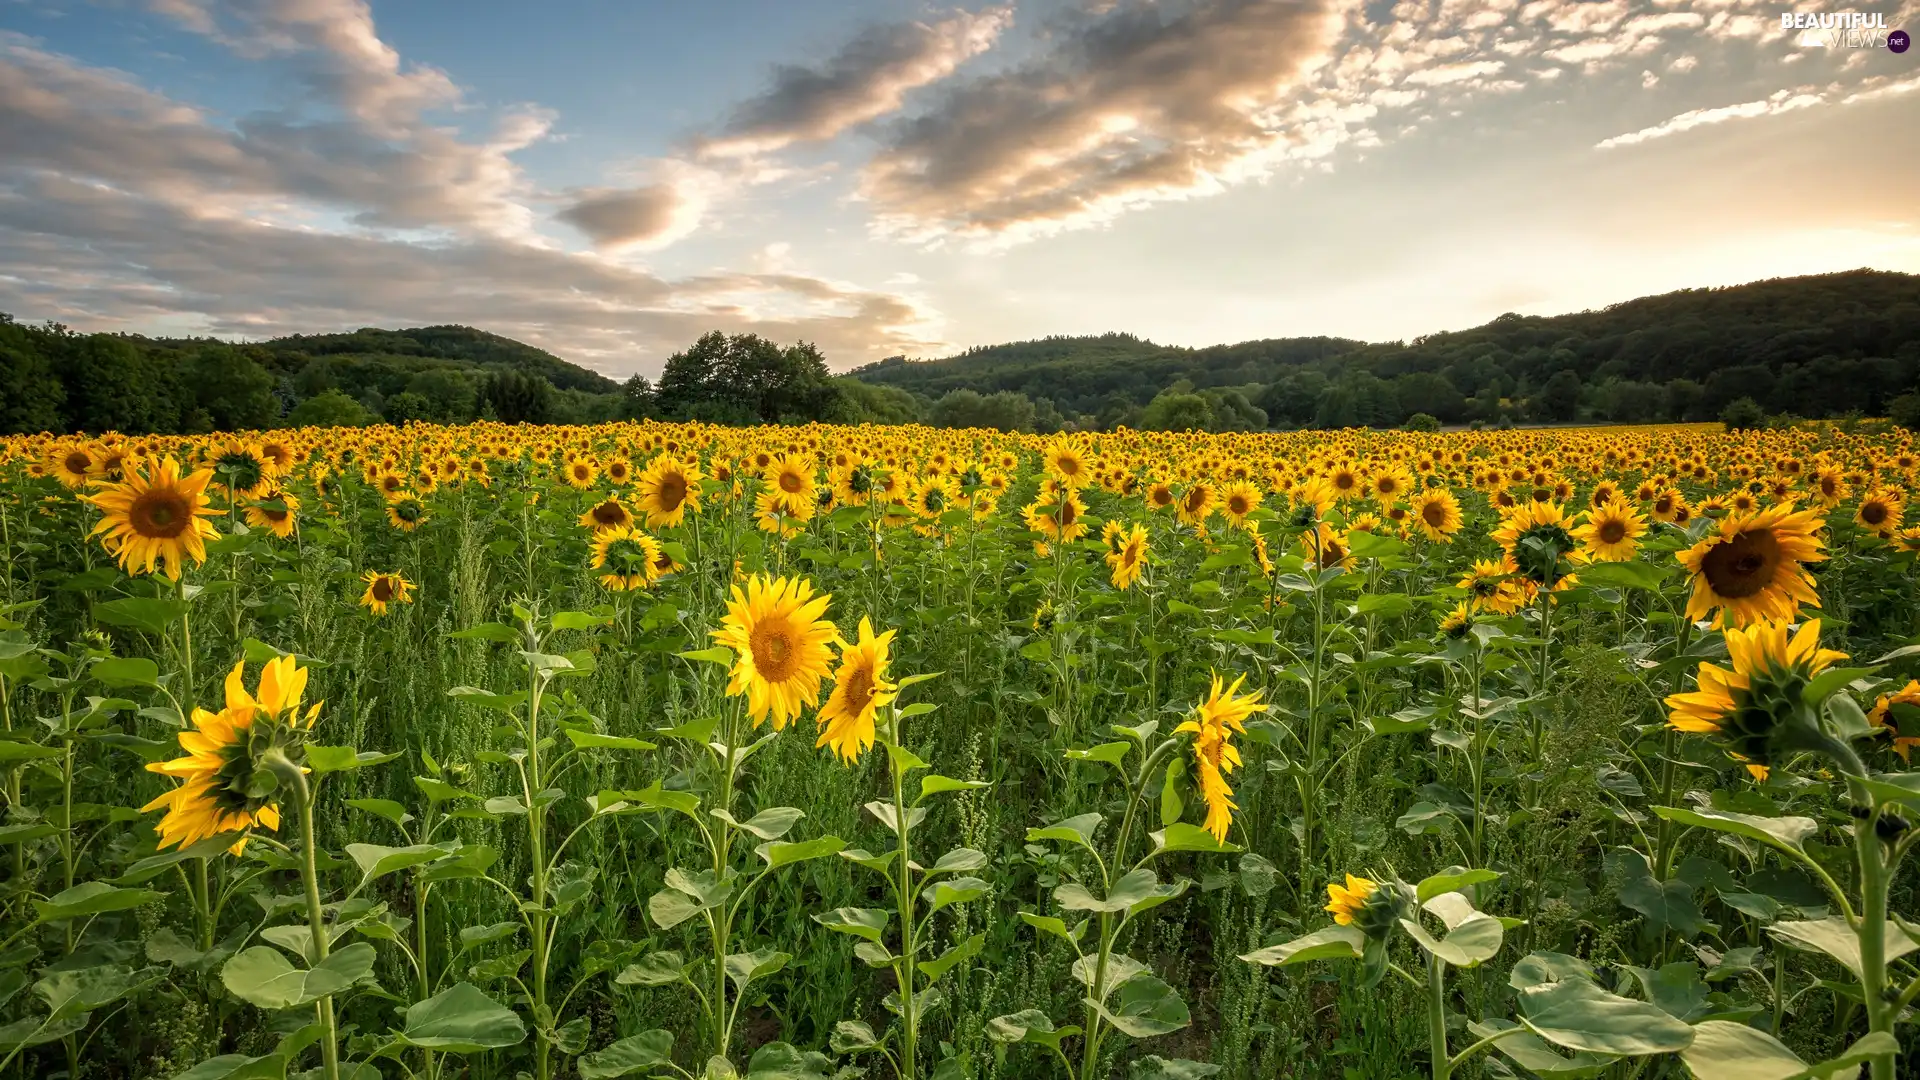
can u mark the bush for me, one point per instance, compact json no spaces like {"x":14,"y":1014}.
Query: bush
{"x":1743,"y":414}
{"x":1905,"y":411}
{"x":1421,"y":422}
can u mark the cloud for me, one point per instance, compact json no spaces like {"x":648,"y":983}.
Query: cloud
{"x":868,"y":78}
{"x":1143,"y":103}
{"x":1781,"y":101}
{"x":616,"y":217}
{"x":1453,"y":73}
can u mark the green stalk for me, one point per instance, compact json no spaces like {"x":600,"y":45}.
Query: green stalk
{"x":538,"y":854}
{"x":316,"y":919}
{"x":1881,"y":1013}
{"x":1437,"y":1017}
{"x":909,"y":1013}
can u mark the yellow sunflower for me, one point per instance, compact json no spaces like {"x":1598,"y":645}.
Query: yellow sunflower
{"x":1884,"y":714}
{"x":156,"y":517}
{"x":1216,"y":720}
{"x":781,"y":646}
{"x":627,"y":558}
{"x":1612,"y":532}
{"x":608,"y":513}
{"x":1750,"y":568}
{"x":1437,"y":514}
{"x":1880,"y":511}
{"x":384,"y":589}
{"x":1753,"y":705}
{"x":860,"y":690}
{"x":1345,"y":901}
{"x":666,"y":490}
{"x":1127,"y":555}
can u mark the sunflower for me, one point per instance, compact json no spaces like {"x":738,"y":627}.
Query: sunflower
{"x":1458,"y":622}
{"x":384,"y":589}
{"x":666,"y":490}
{"x":1159,"y":495}
{"x":1897,"y":711}
{"x":1437,"y":514}
{"x":1750,"y":568}
{"x":406,"y":513}
{"x":1756,"y":708}
{"x":1611,"y":532}
{"x":627,"y":558}
{"x":1879,"y":511}
{"x":860,"y":690}
{"x":1346,"y":901}
{"x":608,"y":513}
{"x":580,"y":473}
{"x":1061,"y":517}
{"x":274,"y":511}
{"x":1492,"y":585}
{"x":781,"y":646}
{"x":1066,"y":463}
{"x":1237,"y":500}
{"x":156,"y":517}
{"x":1127,"y":555}
{"x":240,"y":467}
{"x":1325,"y":547}
{"x":73,"y":466}
{"x":1537,"y":542}
{"x":216,"y":794}
{"x":791,"y":482}
{"x":1215,"y":722}
{"x":1196,"y":505}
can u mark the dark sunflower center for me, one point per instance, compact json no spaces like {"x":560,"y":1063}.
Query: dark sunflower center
{"x":774,"y":648}
{"x":609,"y":513}
{"x":1612,"y":531}
{"x":1196,"y":499}
{"x":1873,"y":513}
{"x":859,"y":688}
{"x":78,"y":462}
{"x":383,"y":589}
{"x":673,"y":492}
{"x":790,"y":482}
{"x":1434,"y":514}
{"x":1744,"y":565}
{"x":159,"y":514}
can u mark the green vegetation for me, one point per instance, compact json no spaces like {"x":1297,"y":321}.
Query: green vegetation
{"x":1813,"y":346}
{"x":1831,"y":345}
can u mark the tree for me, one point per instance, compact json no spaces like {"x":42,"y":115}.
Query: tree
{"x":1905,"y":411}
{"x":231,"y":391}
{"x":1743,"y":414}
{"x":398,"y":409}
{"x":637,"y":401}
{"x":865,"y":403}
{"x":1005,"y":410}
{"x":1421,"y":422}
{"x":112,"y":386}
{"x":330,"y":408}
{"x":1559,"y":399}
{"x":518,"y":398}
{"x":688,"y":375}
{"x":1178,"y":412}
{"x":31,"y":396}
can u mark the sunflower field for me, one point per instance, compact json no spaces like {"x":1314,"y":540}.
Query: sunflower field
{"x":789,"y":753}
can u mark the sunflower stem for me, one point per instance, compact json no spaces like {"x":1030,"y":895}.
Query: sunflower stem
{"x":316,"y":917}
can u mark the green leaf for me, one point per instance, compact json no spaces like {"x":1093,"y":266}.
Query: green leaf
{"x":1470,"y":943}
{"x":1074,"y":830}
{"x":958,"y":890}
{"x":966,"y":950}
{"x":718,"y":654}
{"x":376,"y":861}
{"x":778,"y":853}
{"x":12,"y":751}
{"x":869,"y":923}
{"x":934,"y":784}
{"x":770,"y":824}
{"x":75,"y":992}
{"x":237,"y":1067}
{"x":262,"y":976}
{"x":1155,"y":1067}
{"x":744,"y":968}
{"x":654,"y":969}
{"x":328,"y":759}
{"x":1644,"y":576}
{"x":125,"y":671}
{"x":1050,"y":925}
{"x":462,"y":1020}
{"x":1533,"y":1054}
{"x":153,"y":615}
{"x":1328,"y":943}
{"x":959,"y":861}
{"x":1827,"y":683}
{"x":92,"y":898}
{"x":1837,"y":939}
{"x":1453,"y":879}
{"x":472,"y":937}
{"x":593,"y":740}
{"x":1181,"y":836}
{"x":1113,"y":753}
{"x":1029,"y":1026}
{"x":1144,"y":1006}
{"x":1578,"y":1015}
{"x":385,"y":808}
{"x":633,"y":1054}
{"x":1723,"y":1050}
{"x":653,"y":795}
{"x":578,"y":620}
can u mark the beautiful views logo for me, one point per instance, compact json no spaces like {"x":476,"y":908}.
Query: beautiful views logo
{"x":1844,"y":30}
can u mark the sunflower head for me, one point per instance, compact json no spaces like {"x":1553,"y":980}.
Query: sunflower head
{"x":860,"y":691}
{"x":1372,"y":907}
{"x":1458,"y":622}
{"x":1761,"y":709}
{"x":781,"y":643}
{"x":1751,"y":567}
{"x":626,"y":558}
{"x":1536,"y":538}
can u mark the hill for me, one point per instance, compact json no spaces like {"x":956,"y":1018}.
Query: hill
{"x":438,"y":346}
{"x":1815,"y":346}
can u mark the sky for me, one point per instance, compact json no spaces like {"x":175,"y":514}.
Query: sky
{"x":609,"y":179}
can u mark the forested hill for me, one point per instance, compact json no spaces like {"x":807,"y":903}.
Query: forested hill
{"x":1813,"y":346}
{"x":458,"y":345}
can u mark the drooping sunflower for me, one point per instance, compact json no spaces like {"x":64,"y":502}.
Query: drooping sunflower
{"x":275,"y":512}
{"x":1346,"y":901}
{"x":1216,"y":720}
{"x":666,"y":490}
{"x":384,"y":589}
{"x":1127,"y":556}
{"x":1612,"y":532}
{"x":240,"y":467}
{"x":860,"y":690}
{"x":608,"y":513}
{"x":626,"y":557}
{"x":781,"y":645}
{"x":1752,"y":566}
{"x":406,"y":513}
{"x":1756,"y":708}
{"x":1437,"y":514}
{"x":1896,"y":712}
{"x":214,"y":797}
{"x":1325,"y":547}
{"x":156,"y":517}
